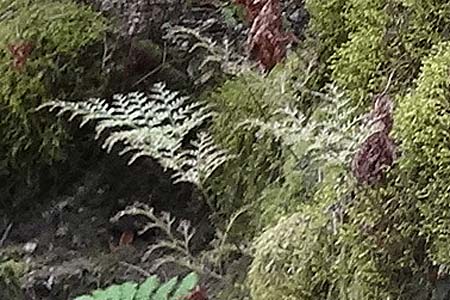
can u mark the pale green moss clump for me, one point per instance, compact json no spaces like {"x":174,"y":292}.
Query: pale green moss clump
{"x":293,"y":259}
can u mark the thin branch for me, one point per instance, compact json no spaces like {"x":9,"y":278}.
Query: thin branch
{"x":136,"y":268}
{"x":5,"y":234}
{"x":155,"y":70}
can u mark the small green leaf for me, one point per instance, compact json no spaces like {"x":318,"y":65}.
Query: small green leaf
{"x":128,"y":290}
{"x":186,"y":285}
{"x":163,"y":292}
{"x":110,"y":293}
{"x":147,"y":288}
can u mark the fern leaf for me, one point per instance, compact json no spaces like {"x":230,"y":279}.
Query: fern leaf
{"x":147,"y":288}
{"x":186,"y":285}
{"x":163,"y":292}
{"x":150,"y":289}
{"x":128,"y":290}
{"x":152,"y":126}
{"x":125,"y":291}
{"x":197,"y":164}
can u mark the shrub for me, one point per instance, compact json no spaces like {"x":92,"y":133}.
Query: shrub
{"x":46,"y":51}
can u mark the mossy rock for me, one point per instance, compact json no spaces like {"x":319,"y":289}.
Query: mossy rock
{"x":62,"y":50}
{"x":293,"y":259}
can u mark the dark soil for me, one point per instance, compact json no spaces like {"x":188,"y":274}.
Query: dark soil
{"x":69,"y":245}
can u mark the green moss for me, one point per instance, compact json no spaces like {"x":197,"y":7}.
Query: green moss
{"x":423,"y":124}
{"x":62,"y":64}
{"x":371,"y":39}
{"x":258,"y":159}
{"x":293,"y":259}
{"x":327,"y":25}
{"x":376,"y":253}
{"x":287,"y":195}
{"x":299,"y":184}
{"x":357,"y":64}
{"x":391,"y":234}
{"x":10,"y":273}
{"x":383,"y":223}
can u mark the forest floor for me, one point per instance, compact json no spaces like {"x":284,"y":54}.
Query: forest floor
{"x":69,"y":246}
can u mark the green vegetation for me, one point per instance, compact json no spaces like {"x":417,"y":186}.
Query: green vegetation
{"x":362,"y":42}
{"x":293,"y":259}
{"x":275,"y":154}
{"x":59,"y":63}
{"x":150,"y":289}
{"x":422,"y":126}
{"x":10,"y":273}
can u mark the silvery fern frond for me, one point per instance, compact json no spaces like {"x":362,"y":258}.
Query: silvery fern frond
{"x":151,"y":125}
{"x":197,"y":164}
{"x":332,"y":135}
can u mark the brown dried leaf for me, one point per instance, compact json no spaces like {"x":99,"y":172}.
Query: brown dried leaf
{"x":378,"y":151}
{"x":126,"y":238}
{"x":267,"y":41}
{"x":198,"y":294}
{"x":20,"y":52}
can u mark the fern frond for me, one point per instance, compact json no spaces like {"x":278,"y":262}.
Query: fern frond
{"x":197,"y":164}
{"x":209,"y":51}
{"x":150,"y":289}
{"x":176,"y":244}
{"x":152,"y":126}
{"x":332,"y":136}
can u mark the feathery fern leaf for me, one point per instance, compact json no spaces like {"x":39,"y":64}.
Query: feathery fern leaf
{"x":150,"y":289}
{"x":197,"y":164}
{"x":153,"y":126}
{"x":332,"y":135}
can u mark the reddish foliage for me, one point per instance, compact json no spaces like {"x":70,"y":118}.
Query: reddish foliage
{"x":20,"y":52}
{"x":126,"y":238}
{"x":198,"y":294}
{"x":378,"y":151}
{"x":267,"y":41}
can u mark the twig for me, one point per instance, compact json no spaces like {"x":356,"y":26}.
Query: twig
{"x":136,"y":268}
{"x":155,"y":70}
{"x":389,"y":82}
{"x":5,"y":234}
